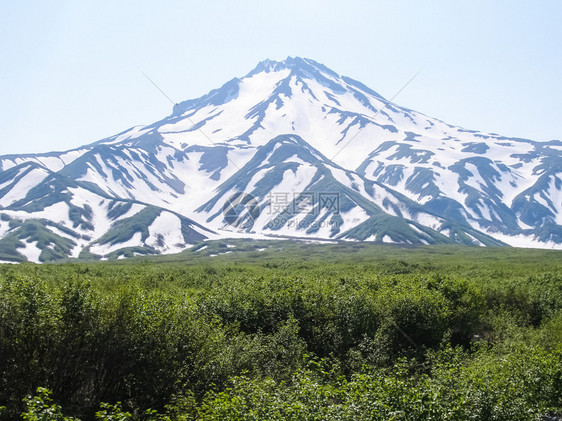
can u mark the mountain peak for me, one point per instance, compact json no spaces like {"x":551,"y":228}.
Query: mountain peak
{"x":306,"y":68}
{"x":295,"y":64}
{"x":302,"y":68}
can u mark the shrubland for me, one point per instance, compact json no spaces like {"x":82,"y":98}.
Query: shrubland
{"x":300,"y":331}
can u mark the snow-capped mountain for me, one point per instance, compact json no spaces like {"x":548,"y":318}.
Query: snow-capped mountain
{"x":292,"y":149}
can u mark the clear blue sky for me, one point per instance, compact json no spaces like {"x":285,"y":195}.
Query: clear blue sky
{"x":70,"y":70}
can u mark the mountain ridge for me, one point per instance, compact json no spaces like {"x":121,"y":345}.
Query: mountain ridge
{"x":287,"y":131}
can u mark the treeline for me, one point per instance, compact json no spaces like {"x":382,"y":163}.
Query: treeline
{"x":284,"y":340}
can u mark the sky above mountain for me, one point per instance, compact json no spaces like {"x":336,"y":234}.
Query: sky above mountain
{"x":71,"y":71}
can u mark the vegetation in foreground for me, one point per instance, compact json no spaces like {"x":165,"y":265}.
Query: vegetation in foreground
{"x":310,"y":332}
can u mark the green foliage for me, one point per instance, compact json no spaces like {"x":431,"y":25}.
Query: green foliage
{"x":41,"y":408}
{"x":457,"y":389}
{"x":112,"y":413}
{"x":415,"y":334}
{"x":54,"y":247}
{"x":125,"y":229}
{"x":8,"y":249}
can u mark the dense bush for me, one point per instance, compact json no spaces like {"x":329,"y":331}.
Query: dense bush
{"x":287,"y":339}
{"x":484,"y":387}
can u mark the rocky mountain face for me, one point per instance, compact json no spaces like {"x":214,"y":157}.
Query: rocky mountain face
{"x":291,"y":150}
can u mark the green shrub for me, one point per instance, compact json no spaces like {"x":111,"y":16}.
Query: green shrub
{"x":287,"y":338}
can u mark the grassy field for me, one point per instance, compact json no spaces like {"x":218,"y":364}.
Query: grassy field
{"x":276,"y":330}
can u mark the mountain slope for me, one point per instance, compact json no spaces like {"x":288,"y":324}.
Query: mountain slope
{"x":292,"y":149}
{"x":60,"y":218}
{"x":288,"y":188}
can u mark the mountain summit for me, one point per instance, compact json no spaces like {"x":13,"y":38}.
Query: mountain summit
{"x":291,"y":150}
